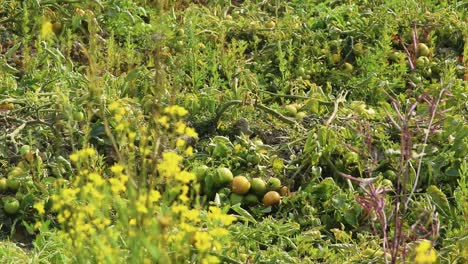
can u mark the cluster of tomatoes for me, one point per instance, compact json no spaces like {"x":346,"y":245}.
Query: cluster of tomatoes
{"x":10,"y":186}
{"x":241,"y":189}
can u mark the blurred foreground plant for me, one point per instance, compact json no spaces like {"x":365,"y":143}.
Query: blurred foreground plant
{"x":142,"y":208}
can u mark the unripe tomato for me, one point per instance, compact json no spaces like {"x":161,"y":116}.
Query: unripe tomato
{"x":3,"y":184}
{"x":13,"y":184}
{"x":270,"y":24}
{"x":78,"y":116}
{"x":11,"y":206}
{"x":25,"y":149}
{"x":348,"y":67}
{"x":423,"y":50}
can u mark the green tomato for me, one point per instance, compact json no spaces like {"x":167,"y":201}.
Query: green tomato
{"x":78,"y":116}
{"x":200,"y":172}
{"x":17,"y":171}
{"x":348,"y":67}
{"x":270,"y":24}
{"x":358,"y":49}
{"x":274,"y":184}
{"x":11,"y":206}
{"x":335,"y":58}
{"x":3,"y":184}
{"x":25,"y":149}
{"x":422,"y":61}
{"x":13,"y":184}
{"x":422,"y":49}
{"x":291,"y":110}
{"x":19,"y":196}
{"x":395,"y":56}
{"x":224,"y":176}
{"x":180,"y":32}
{"x":258,"y":186}
{"x":300,"y":116}
{"x":251,"y":199}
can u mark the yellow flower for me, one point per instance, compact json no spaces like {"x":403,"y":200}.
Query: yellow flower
{"x":154,"y":196}
{"x":131,"y":136}
{"x":140,"y":205}
{"x":74,"y":157}
{"x":123,"y":178}
{"x":118,"y":117}
{"x":121,"y":111}
{"x":114,"y":106}
{"x":237,"y":148}
{"x":189,"y":151}
{"x":46,"y":29}
{"x":96,"y":179}
{"x":216,"y":214}
{"x":90,"y":209}
{"x":425,"y":254}
{"x":179,"y":208}
{"x":164,"y":121}
{"x":61,"y":219}
{"x":187,"y":227}
{"x":117,"y":186}
{"x":183,"y":196}
{"x":169,"y":166}
{"x":176,"y":110}
{"x":185,"y":176}
{"x":190,"y":132}
{"x":90,"y":152}
{"x":37,"y":225}
{"x":202,"y":241}
{"x":39,"y":206}
{"x":180,"y":128}
{"x":66,"y":213}
{"x":192,"y":215}
{"x":180,"y":143}
{"x":87,"y":189}
{"x":117,"y":169}
{"x":219,"y":232}
{"x":121,"y":126}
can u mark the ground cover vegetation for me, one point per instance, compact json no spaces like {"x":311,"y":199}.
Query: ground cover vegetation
{"x":274,"y":131}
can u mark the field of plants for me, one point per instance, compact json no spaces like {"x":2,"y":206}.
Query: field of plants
{"x":217,"y":131}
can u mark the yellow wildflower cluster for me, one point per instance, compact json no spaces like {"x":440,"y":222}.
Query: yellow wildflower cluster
{"x":174,"y":113}
{"x":172,"y":124}
{"x":118,"y":183}
{"x":176,"y":110}
{"x":46,"y":29}
{"x":425,"y":254}
{"x":84,"y":208}
{"x":142,"y":204}
{"x":205,"y":238}
{"x":83,"y":155}
{"x":216,"y":215}
{"x":118,"y":113}
{"x":187,"y":225}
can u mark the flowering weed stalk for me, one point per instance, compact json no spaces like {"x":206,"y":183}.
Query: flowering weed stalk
{"x":142,"y":208}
